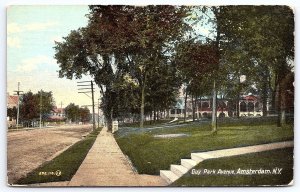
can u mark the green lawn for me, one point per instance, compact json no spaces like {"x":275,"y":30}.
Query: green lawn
{"x":64,"y":166}
{"x":269,"y":160}
{"x":149,"y":154}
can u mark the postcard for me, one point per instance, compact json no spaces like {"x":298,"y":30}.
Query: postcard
{"x":154,"y":95}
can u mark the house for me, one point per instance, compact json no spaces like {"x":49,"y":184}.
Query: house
{"x":56,"y":115}
{"x":249,"y":105}
{"x":12,"y":102}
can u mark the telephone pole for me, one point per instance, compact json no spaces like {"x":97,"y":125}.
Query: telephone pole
{"x":88,"y":88}
{"x":98,"y":111}
{"x":18,"y":109}
{"x":41,"y":100}
{"x":61,"y":112}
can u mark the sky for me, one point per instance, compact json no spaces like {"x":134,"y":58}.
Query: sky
{"x":31,"y":33}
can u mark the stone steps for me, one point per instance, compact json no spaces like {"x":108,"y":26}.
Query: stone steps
{"x":177,"y":171}
{"x":188,"y":163}
{"x":168,"y":176}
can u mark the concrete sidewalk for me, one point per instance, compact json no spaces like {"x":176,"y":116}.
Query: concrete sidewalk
{"x":106,"y":165}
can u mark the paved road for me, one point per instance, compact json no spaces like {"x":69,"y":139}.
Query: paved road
{"x":27,"y":149}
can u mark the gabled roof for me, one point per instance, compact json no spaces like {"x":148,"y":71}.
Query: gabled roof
{"x":58,"y":110}
{"x":12,"y":100}
{"x":250,"y":97}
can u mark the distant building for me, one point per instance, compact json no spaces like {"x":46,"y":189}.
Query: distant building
{"x":12,"y":101}
{"x":56,"y":115}
{"x":249,"y":105}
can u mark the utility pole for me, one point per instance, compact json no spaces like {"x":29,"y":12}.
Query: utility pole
{"x":18,"y":109}
{"x":41,"y":100}
{"x":61,"y":112}
{"x":94,"y":125}
{"x":90,"y":89}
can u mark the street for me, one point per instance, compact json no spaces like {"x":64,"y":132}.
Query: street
{"x":28,"y":149}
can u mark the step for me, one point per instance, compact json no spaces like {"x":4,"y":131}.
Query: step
{"x":168,"y":176}
{"x":188,"y":163}
{"x":179,"y":170}
{"x":198,"y":157}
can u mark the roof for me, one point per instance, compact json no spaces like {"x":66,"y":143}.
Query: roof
{"x":12,"y":100}
{"x":250,"y":97}
{"x":58,"y":110}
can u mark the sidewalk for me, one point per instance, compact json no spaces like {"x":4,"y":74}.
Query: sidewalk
{"x":246,"y":150}
{"x":106,"y":165}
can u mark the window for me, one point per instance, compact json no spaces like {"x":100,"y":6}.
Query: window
{"x":250,"y":106}
{"x":243,"y":107}
{"x":205,"y":105}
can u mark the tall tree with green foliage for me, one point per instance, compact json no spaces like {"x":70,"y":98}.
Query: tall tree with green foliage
{"x":72,"y":112}
{"x":196,"y":62}
{"x":120,"y":40}
{"x":260,"y":36}
{"x":266,"y":34}
{"x":84,"y":114}
{"x":12,"y":112}
{"x":34,"y":105}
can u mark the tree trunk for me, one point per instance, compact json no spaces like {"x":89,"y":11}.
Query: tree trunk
{"x":200,"y":107}
{"x":264,"y":104}
{"x":273,"y":101}
{"x":109,"y":120}
{"x":237,"y":105}
{"x":217,"y":46}
{"x":185,"y":107}
{"x":193,"y":107}
{"x":150,"y":118}
{"x":264,"y":95}
{"x":283,"y":107}
{"x":278,"y":105}
{"x":197,"y":109}
{"x":237,"y":101}
{"x":142,"y":106}
{"x":214,"y":110}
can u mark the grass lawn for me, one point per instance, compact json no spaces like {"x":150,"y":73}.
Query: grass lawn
{"x":64,"y":166}
{"x":149,"y":154}
{"x":269,"y":160}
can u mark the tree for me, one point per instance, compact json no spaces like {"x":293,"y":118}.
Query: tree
{"x":120,"y":40}
{"x":12,"y":112}
{"x":29,"y":107}
{"x":210,"y":16}
{"x":272,"y":50}
{"x":34,"y":105}
{"x":76,"y":114}
{"x":196,"y":62}
{"x":152,"y":29}
{"x":84,"y":114}
{"x":72,"y":112}
{"x":249,"y":30}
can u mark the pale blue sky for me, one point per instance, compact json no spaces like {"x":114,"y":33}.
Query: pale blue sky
{"x":31,"y":32}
